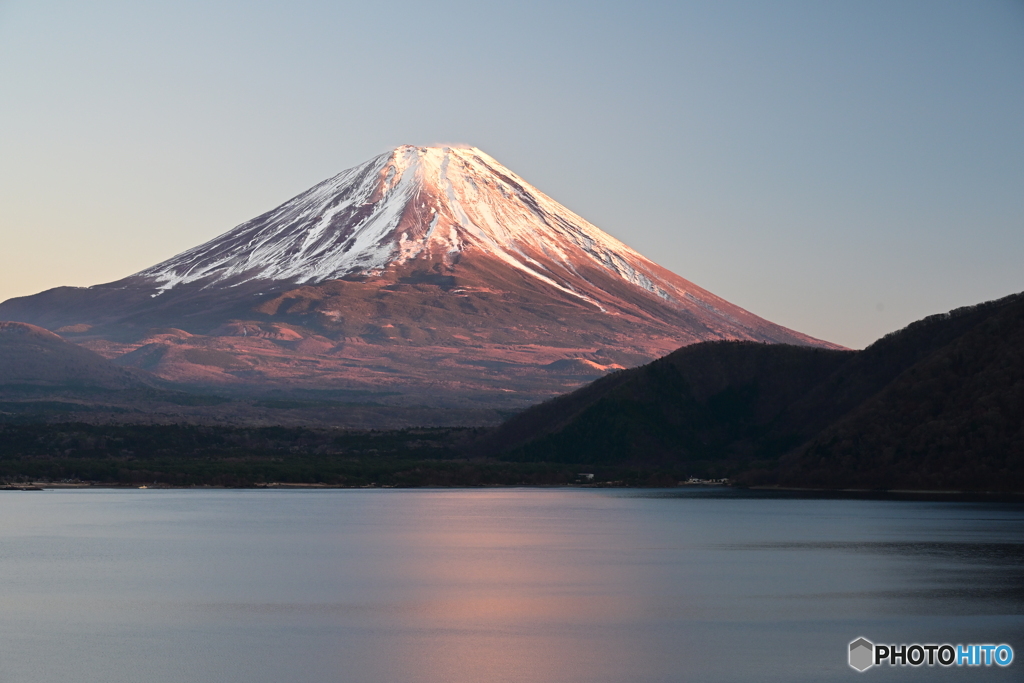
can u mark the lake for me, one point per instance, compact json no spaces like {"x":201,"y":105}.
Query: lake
{"x":459,"y":585}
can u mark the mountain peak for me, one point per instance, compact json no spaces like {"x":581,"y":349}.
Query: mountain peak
{"x":429,"y":267}
{"x":432,"y":204}
{"x":446,"y":211}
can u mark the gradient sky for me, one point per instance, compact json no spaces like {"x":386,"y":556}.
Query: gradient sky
{"x":841,"y":168}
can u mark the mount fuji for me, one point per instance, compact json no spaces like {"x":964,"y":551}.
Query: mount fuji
{"x":429,"y":271}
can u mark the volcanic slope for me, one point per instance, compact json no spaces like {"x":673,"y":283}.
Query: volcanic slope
{"x":434,"y":270}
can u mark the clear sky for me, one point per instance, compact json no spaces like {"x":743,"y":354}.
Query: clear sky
{"x":841,"y":168}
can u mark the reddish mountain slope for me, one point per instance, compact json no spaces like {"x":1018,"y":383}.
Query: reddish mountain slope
{"x":435,"y":270}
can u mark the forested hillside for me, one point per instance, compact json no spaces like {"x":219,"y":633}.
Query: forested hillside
{"x":939,"y":404}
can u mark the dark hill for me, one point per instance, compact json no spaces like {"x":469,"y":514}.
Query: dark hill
{"x":44,"y":377}
{"x":939,"y":404}
{"x":32,"y":356}
{"x":706,"y":403}
{"x":953,"y":420}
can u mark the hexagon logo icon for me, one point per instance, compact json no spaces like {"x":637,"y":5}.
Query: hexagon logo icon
{"x":862,"y":654}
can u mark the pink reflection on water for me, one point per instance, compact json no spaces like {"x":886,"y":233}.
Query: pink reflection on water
{"x":506,"y":591}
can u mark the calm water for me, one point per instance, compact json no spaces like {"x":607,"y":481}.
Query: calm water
{"x":545,"y":586}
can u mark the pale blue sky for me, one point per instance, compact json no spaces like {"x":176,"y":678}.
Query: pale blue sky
{"x":842,"y":168}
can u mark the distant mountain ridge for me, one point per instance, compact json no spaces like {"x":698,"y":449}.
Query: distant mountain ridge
{"x":433,"y":270}
{"x":937,"y":405}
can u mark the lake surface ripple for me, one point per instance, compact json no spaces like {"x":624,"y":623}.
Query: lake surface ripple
{"x":453,"y":586}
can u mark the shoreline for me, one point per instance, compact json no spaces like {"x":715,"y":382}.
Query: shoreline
{"x":725,"y":490}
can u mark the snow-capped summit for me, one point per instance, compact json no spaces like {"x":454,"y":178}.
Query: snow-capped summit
{"x":414,"y":203}
{"x":423,"y":260}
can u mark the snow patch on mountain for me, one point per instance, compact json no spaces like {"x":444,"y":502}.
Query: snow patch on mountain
{"x":402,"y":206}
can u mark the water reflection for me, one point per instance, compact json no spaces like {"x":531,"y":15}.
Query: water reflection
{"x":542,"y":586}
{"x":500,"y":591}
